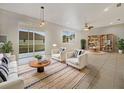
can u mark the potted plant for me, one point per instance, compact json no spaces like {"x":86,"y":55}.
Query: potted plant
{"x":38,"y":57}
{"x":120,"y":45}
{"x":7,"y":48}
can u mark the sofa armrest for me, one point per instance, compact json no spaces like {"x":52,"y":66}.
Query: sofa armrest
{"x":12,"y":58}
{"x":69,"y":55}
{"x":16,"y":84}
{"x":82,"y":59}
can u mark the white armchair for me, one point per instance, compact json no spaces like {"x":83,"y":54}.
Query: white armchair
{"x":78,"y":62}
{"x":59,"y":54}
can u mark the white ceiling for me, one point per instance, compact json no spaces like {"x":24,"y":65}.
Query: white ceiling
{"x":71,"y":15}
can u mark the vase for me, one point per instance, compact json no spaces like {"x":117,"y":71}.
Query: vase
{"x":39,"y":61}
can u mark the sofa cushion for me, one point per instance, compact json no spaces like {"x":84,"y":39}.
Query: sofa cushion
{"x":12,"y":64}
{"x":73,"y":61}
{"x":12,"y":76}
{"x":12,"y":70}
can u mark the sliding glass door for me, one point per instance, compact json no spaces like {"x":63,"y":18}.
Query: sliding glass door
{"x":39,"y":42}
{"x":31,"y":42}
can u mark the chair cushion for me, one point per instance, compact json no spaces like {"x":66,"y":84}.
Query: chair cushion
{"x":73,"y":61}
{"x":56,"y":55}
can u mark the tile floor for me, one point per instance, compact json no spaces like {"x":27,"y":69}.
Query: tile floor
{"x":107,"y":71}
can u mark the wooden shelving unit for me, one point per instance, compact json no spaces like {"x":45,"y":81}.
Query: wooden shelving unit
{"x":101,"y":42}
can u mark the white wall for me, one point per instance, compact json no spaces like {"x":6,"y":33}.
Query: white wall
{"x":10,"y":23}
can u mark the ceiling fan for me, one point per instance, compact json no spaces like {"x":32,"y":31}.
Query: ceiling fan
{"x":88,"y":27}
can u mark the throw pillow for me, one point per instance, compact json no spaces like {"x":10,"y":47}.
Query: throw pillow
{"x":5,"y":65}
{"x":5,"y":59}
{"x":75,"y":54}
{"x":3,"y":75}
{"x":60,"y":50}
{"x":2,"y":67}
{"x":80,"y":52}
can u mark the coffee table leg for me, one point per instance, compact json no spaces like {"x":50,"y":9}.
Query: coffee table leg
{"x":41,"y":69}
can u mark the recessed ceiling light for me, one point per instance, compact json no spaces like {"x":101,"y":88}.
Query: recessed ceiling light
{"x":118,"y":19}
{"x":106,"y":9}
{"x":111,"y":23}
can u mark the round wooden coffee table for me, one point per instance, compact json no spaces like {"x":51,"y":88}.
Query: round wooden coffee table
{"x":40,"y":66}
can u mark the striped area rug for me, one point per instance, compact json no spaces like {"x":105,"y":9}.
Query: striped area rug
{"x":56,"y":76}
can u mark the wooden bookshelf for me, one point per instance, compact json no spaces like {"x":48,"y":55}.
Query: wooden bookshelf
{"x":101,"y":42}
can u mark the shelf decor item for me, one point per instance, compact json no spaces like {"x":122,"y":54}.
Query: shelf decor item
{"x":120,"y":45}
{"x":7,"y":48}
{"x":38,"y":57}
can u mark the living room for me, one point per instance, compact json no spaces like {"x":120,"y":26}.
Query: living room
{"x":35,"y":30}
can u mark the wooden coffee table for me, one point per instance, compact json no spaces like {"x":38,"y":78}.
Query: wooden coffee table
{"x":40,"y":66}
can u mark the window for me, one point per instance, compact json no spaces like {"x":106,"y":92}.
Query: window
{"x":68,"y":36}
{"x":31,"y":41}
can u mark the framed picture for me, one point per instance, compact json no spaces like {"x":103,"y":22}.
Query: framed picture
{"x":68,"y":36}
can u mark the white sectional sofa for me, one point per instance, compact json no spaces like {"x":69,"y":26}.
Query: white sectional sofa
{"x":13,"y":81}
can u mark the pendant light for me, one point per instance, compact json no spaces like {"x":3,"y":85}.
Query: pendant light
{"x":42,"y":21}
